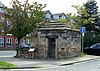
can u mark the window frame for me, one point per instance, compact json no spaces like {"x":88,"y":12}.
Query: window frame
{"x":27,"y":41}
{"x":8,"y":42}
{"x":2,"y":39}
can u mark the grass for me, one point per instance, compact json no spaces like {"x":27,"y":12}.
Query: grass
{"x":82,"y":54}
{"x":6,"y":65}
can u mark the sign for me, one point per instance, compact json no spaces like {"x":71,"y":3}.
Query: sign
{"x":82,"y":34}
{"x":82,"y":29}
{"x":32,"y":49}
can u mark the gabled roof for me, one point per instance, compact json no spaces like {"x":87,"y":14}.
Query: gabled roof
{"x":1,"y":4}
{"x":47,"y":11}
{"x":59,"y":14}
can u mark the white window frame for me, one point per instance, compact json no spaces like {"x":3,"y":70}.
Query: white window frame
{"x":48,"y":15}
{"x":1,"y":10}
{"x":8,"y":42}
{"x":2,"y":42}
{"x":16,"y":41}
{"x":27,"y":41}
{"x":22,"y":41}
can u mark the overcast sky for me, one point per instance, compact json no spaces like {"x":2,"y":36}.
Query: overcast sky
{"x":57,"y":6}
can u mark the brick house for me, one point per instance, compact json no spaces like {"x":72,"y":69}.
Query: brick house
{"x":7,"y":41}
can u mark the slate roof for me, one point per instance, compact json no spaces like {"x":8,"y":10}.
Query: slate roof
{"x":59,"y":14}
{"x":47,"y":11}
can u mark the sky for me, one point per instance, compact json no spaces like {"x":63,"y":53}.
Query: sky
{"x":57,"y":6}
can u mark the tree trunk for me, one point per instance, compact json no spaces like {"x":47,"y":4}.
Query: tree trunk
{"x":17,"y":49}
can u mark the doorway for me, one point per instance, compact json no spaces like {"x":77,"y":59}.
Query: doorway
{"x":51,"y":47}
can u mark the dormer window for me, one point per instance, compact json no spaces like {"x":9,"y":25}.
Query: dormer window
{"x":1,"y":10}
{"x":1,"y":19}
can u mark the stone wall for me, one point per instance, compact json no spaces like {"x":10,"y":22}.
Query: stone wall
{"x":68,"y":44}
{"x":25,"y":53}
{"x":39,"y":41}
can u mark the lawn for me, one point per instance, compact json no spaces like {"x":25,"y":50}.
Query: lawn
{"x":6,"y":65}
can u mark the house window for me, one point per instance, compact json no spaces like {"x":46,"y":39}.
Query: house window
{"x":48,"y":15}
{"x":9,"y":42}
{"x":1,"y":10}
{"x":1,"y":41}
{"x":16,"y":41}
{"x":22,"y":41}
{"x":27,"y":41}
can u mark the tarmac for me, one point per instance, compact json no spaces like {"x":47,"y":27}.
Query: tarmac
{"x":46,"y":63}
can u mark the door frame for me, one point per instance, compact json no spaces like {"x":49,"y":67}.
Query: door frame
{"x":56,"y":45}
{"x":51,"y":48}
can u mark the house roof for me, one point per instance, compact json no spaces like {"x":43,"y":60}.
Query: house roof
{"x":1,"y":4}
{"x":59,"y":14}
{"x":47,"y":11}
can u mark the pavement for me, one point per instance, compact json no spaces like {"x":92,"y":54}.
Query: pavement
{"x":46,"y":63}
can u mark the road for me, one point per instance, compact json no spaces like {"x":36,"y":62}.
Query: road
{"x":7,"y":53}
{"x":93,"y":65}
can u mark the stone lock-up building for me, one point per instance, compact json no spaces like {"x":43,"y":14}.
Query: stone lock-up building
{"x":57,"y":40}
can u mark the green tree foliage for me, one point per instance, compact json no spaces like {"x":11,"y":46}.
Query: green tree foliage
{"x":92,"y":10}
{"x":87,"y":15}
{"x":79,"y":18}
{"x":23,"y":18}
{"x":62,"y":20}
{"x":87,"y":18}
{"x":67,"y":21}
{"x":89,"y":38}
{"x":94,"y":26}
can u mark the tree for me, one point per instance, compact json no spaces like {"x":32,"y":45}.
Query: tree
{"x":79,"y":18}
{"x":89,"y":38}
{"x":92,"y":10}
{"x":94,"y":26}
{"x":23,"y":18}
{"x":88,"y":16}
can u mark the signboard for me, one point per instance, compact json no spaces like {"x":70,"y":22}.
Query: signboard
{"x":32,"y":49}
{"x":82,"y":29}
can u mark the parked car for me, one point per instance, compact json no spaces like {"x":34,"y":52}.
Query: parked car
{"x":93,"y":49}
